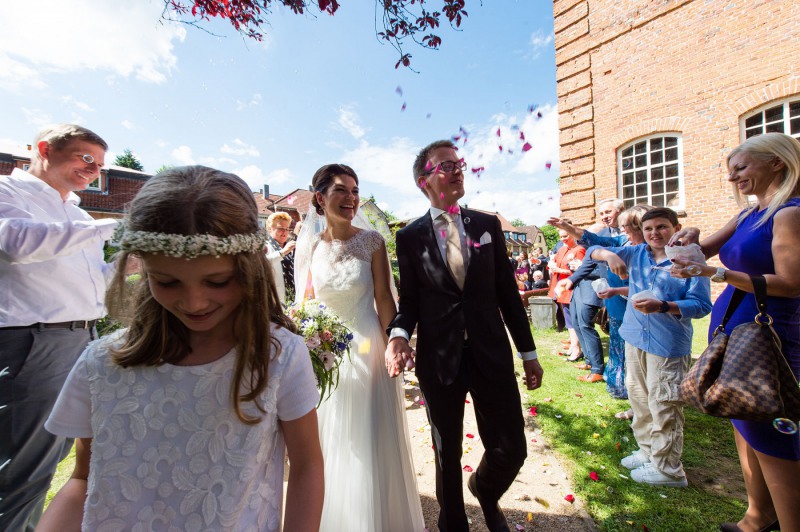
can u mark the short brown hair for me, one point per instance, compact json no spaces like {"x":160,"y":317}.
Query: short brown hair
{"x":661,"y":212}
{"x":421,"y":162}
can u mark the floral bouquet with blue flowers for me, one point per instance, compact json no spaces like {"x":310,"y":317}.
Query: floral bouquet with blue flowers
{"x":327,"y":339}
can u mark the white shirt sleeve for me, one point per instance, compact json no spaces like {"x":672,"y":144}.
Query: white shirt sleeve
{"x":71,"y":415}
{"x":297,"y":394}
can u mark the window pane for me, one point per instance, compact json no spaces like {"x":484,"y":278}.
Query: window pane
{"x":795,"y":126}
{"x":658,"y":187}
{"x":672,"y":185}
{"x":641,"y":176}
{"x":672,"y":200}
{"x":627,"y":152}
{"x":656,"y":157}
{"x":752,"y":133}
{"x":641,"y":191}
{"x":657,"y":201}
{"x":773,"y":114}
{"x":671,"y":154}
{"x":670,"y":141}
{"x":627,"y":162}
{"x":640,"y":147}
{"x":627,"y":178}
{"x":672,"y":170}
{"x":755,"y":120}
{"x":655,"y":144}
{"x":777,"y":127}
{"x":641,"y":161}
{"x":794,"y":108}
{"x":629,"y":203}
{"x":627,"y":192}
{"x":657,"y":173}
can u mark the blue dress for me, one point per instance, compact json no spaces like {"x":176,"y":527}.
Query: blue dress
{"x":749,"y":250}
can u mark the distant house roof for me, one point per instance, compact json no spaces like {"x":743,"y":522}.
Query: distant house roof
{"x":297,"y":200}
{"x":264,"y":205}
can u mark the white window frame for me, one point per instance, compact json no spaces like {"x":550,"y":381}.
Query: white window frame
{"x":26,"y":167}
{"x":99,"y":186}
{"x":785,"y":120}
{"x":650,"y":167}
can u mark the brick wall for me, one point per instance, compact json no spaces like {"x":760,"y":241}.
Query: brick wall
{"x":627,"y":69}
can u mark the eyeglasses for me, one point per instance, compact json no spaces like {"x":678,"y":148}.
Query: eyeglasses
{"x":281,"y":230}
{"x":449,"y":166}
{"x":88,"y":159}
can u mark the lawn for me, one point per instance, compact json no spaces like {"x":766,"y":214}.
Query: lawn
{"x":578,"y":420}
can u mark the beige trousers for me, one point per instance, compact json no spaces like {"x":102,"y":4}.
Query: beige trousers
{"x":652,"y":383}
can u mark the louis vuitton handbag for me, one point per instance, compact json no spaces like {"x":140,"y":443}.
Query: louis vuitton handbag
{"x":744,"y":375}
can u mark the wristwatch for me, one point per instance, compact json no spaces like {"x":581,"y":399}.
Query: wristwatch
{"x":664,"y":307}
{"x":719,"y":277}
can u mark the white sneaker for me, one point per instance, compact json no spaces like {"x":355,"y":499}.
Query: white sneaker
{"x":635,"y":460}
{"x":648,"y":474}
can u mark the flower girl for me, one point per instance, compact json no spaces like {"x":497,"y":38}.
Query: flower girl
{"x":184,"y":417}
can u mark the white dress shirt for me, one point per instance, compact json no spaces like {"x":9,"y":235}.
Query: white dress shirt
{"x":51,"y":255}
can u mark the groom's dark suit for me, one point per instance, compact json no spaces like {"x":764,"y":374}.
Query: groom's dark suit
{"x":449,"y":366}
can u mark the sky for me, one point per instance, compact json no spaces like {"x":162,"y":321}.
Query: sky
{"x":317,"y":90}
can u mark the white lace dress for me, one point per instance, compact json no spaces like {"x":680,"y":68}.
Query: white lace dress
{"x":370,"y":482}
{"x":168,"y":451}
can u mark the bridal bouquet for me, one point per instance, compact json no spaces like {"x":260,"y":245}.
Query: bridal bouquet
{"x":327,"y":339}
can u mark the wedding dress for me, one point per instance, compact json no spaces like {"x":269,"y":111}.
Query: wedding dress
{"x":370,"y":482}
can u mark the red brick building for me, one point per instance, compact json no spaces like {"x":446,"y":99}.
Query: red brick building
{"x":652,"y":95}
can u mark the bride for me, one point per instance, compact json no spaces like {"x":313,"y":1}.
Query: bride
{"x":369,"y":476}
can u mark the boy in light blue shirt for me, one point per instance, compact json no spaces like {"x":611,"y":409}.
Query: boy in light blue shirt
{"x":657,"y":329}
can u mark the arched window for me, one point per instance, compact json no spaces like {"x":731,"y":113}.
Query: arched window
{"x":650,"y":171}
{"x":782,"y":117}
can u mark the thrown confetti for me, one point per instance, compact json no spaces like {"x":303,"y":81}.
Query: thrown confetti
{"x":542,"y":502}
{"x":500,"y":148}
{"x":662,"y":495}
{"x":428,"y":115}
{"x":428,"y":166}
{"x":547,"y":400}
{"x":467,"y":468}
{"x":521,"y":135}
{"x":547,"y":165}
{"x":618,"y":446}
{"x":466,"y":401}
{"x":529,"y":517}
{"x":533,"y":440}
{"x":578,"y":395}
{"x":526,"y":147}
{"x":532,"y":411}
{"x":558,"y":416}
{"x":519,"y":528}
{"x":498,"y":131}
{"x":421,"y":402}
{"x":595,"y":435}
{"x":453,"y":209}
{"x":622,"y":476}
{"x":532,"y":108}
{"x":470,"y":435}
{"x":290,"y":200}
{"x":593,"y":475}
{"x":399,"y":90}
{"x":570,"y":498}
{"x":403,"y":107}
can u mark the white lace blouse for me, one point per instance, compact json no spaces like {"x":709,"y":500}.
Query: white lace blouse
{"x":169,"y":452}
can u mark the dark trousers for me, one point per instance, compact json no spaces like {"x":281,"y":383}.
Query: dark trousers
{"x":582,"y":316}
{"x":37,"y":362}
{"x":501,"y":427}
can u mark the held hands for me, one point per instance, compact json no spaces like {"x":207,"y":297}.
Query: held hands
{"x":533,"y":374}
{"x":398,"y":356}
{"x":646,"y":306}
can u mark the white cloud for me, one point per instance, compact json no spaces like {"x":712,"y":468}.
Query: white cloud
{"x":539,"y":41}
{"x":255,"y":178}
{"x":183,"y":155}
{"x":533,"y":207}
{"x":125,"y":38}
{"x":254,"y":101}
{"x":240,"y":148}
{"x":36,"y":117}
{"x":69,"y":100}
{"x":350,"y":122}
{"x":389,"y":166}
{"x":127,"y":124}
{"x":218,"y":162}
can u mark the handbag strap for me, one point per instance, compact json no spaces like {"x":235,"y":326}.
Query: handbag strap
{"x":760,"y":291}
{"x":733,"y":304}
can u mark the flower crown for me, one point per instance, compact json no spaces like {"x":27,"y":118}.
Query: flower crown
{"x":186,"y":246}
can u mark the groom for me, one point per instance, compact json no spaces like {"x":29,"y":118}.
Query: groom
{"x":458,"y":289}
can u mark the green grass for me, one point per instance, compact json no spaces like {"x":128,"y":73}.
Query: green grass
{"x":578,"y":421}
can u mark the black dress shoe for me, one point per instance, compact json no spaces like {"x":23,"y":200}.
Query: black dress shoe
{"x":733,"y":527}
{"x":495,"y":520}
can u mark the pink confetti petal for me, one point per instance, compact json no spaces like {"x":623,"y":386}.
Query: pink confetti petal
{"x":444,"y":233}
{"x":466,"y":401}
{"x":403,"y":108}
{"x":532,"y":107}
{"x":526,"y":147}
{"x":519,"y":528}
{"x":441,"y":195}
{"x":476,"y":245}
{"x":532,"y":411}
{"x":570,"y":498}
{"x":453,"y":209}
{"x":399,"y":90}
{"x":500,"y":148}
{"x":548,"y":164}
{"x":538,"y":115}
{"x":521,"y":135}
{"x":290,"y":200}
{"x":470,"y":435}
{"x":498,"y":132}
{"x":421,"y":402}
{"x":428,"y":166}
{"x":467,"y":468}
{"x":533,"y":440}
{"x":594,"y":476}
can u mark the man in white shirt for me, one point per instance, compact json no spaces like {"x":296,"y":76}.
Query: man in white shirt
{"x":52,"y":287}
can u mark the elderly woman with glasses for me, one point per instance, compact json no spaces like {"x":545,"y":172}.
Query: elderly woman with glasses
{"x":281,"y":254}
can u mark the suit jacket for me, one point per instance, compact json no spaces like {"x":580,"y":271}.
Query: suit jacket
{"x":582,"y":291}
{"x":431,"y":300}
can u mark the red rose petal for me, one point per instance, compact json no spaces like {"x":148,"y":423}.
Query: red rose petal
{"x":594,"y":476}
{"x":469,"y":435}
{"x":570,"y":498}
{"x":467,"y":468}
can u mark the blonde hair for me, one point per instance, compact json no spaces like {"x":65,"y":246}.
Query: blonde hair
{"x":195,"y":200}
{"x":59,"y":135}
{"x":633,"y":215}
{"x":275,"y":216}
{"x":765,"y":148}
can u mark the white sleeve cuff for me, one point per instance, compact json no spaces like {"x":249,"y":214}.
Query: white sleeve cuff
{"x":528,"y":355}
{"x":397,"y":331}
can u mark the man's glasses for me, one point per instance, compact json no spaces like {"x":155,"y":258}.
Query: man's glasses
{"x":449,"y":166}
{"x":88,"y":159}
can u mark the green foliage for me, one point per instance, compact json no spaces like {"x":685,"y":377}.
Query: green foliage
{"x":128,"y":160}
{"x":550,"y":235}
{"x":164,"y":167}
{"x":516,"y":222}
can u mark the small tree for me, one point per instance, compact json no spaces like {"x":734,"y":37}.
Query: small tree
{"x":128,"y":160}
{"x":516,"y":222}
{"x":550,"y":236}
